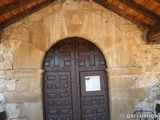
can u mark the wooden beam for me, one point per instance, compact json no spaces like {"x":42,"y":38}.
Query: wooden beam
{"x":50,"y":0}
{"x":23,"y":14}
{"x":157,"y":1}
{"x":153,"y":35}
{"x":122,"y":13}
{"x":13,"y":5}
{"x":140,"y":8}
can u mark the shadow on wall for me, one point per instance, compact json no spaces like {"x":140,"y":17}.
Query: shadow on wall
{"x":3,"y":115}
{"x":1,"y":31}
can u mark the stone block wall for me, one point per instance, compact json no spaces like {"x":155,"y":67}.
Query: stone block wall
{"x":133,"y":66}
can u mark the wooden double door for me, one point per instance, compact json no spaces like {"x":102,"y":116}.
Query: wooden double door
{"x":75,"y":82}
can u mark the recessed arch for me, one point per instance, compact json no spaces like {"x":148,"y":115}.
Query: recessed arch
{"x":68,"y":64}
{"x":93,"y":41}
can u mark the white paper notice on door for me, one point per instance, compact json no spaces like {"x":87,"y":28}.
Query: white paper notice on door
{"x":92,"y":83}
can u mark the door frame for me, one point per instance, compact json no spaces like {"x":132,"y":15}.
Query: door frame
{"x":44,"y":89}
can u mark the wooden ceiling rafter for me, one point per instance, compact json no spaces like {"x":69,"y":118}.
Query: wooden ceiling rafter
{"x":24,"y":13}
{"x":157,"y":1}
{"x":13,"y":5}
{"x":121,"y":12}
{"x":143,"y":13}
{"x":141,"y":9}
{"x":153,"y":34}
{"x":4,"y":2}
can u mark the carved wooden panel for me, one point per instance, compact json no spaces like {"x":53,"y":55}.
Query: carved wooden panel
{"x":63,"y":65}
{"x":93,"y":106}
{"x":57,"y":81}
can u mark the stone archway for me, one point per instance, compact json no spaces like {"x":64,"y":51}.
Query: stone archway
{"x":68,"y":94}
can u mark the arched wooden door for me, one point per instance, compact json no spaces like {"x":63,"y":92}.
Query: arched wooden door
{"x":75,"y":82}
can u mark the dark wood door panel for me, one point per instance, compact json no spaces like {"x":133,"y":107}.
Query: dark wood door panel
{"x":57,"y":82}
{"x":91,"y":62}
{"x":63,"y":65}
{"x":59,"y":57}
{"x":94,"y":103}
{"x":89,"y":57}
{"x":58,"y":95}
